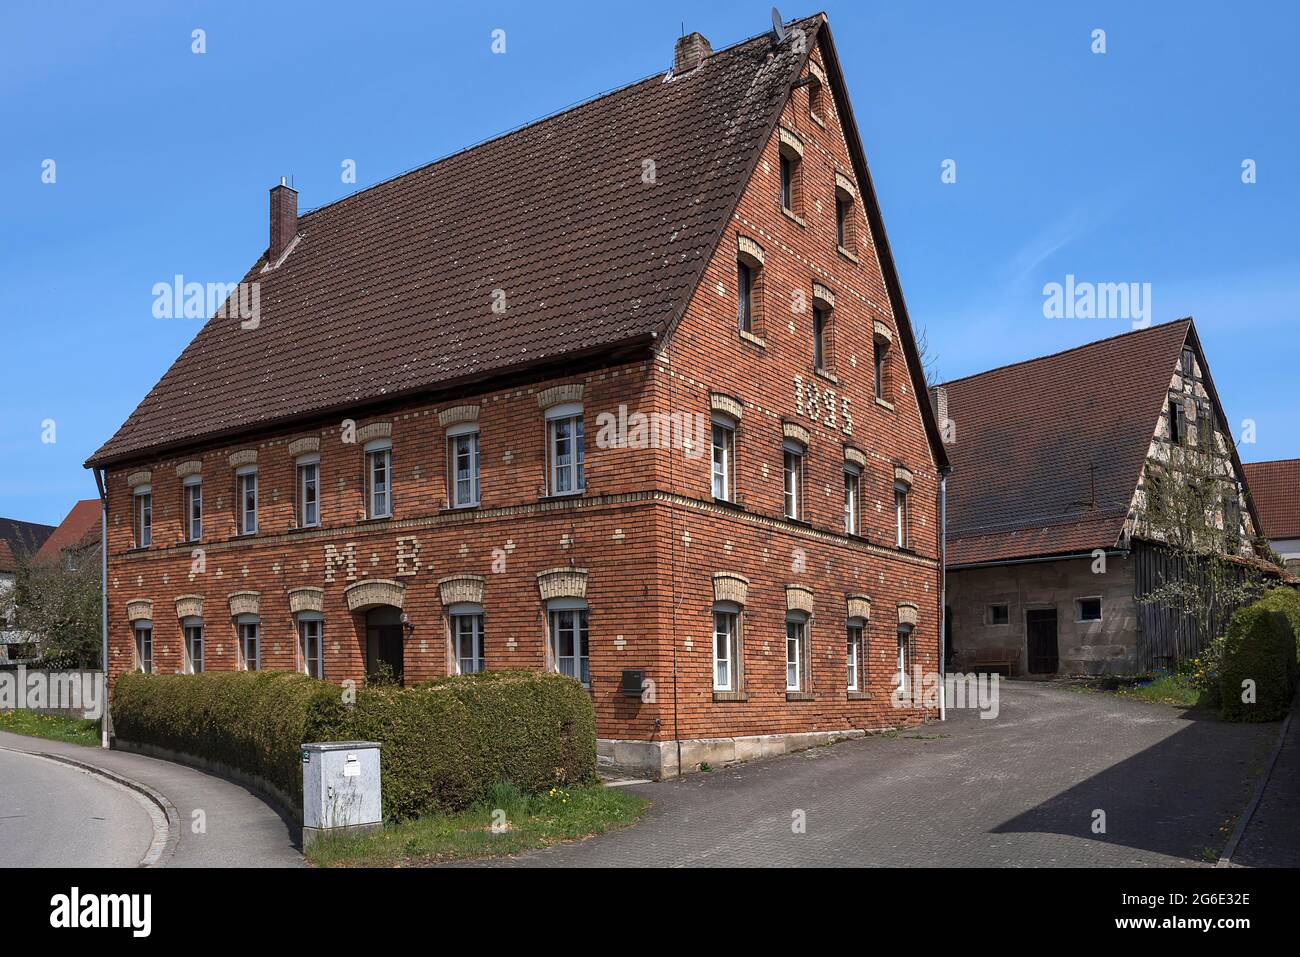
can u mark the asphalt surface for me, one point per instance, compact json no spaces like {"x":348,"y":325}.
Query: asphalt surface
{"x":222,"y":824}
{"x":54,"y":815}
{"x":1272,"y":838}
{"x":1021,"y":790}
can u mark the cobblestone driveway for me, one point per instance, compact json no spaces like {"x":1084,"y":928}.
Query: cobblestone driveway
{"x":1019,"y":790}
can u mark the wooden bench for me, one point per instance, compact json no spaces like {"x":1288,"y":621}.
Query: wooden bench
{"x":989,"y":659}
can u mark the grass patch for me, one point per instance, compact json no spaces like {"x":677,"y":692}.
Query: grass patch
{"x":509,"y":822}
{"x":1175,"y":689}
{"x":55,"y":727}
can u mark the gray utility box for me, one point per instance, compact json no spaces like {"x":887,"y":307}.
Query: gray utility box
{"x":340,"y":788}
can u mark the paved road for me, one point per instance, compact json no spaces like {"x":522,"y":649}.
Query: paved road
{"x":1019,"y":790}
{"x":1272,"y":838}
{"x":222,"y":824}
{"x":53,"y":815}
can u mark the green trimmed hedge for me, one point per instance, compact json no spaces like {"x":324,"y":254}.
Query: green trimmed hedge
{"x":1260,"y":645}
{"x":253,"y":721}
{"x":444,"y":743}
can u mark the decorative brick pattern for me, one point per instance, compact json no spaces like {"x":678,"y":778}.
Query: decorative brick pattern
{"x":458,"y":415}
{"x":188,"y":468}
{"x":306,"y":599}
{"x":136,"y":479}
{"x":374,"y":430}
{"x":858,"y":606}
{"x":562,"y":583}
{"x":139,"y":609}
{"x":245,"y":603}
{"x":799,"y":598}
{"x":461,"y":589}
{"x":559,"y":395}
{"x":305,"y":445}
{"x":728,"y":406}
{"x":728,"y":586}
{"x":189,"y":606}
{"x":372,"y":594}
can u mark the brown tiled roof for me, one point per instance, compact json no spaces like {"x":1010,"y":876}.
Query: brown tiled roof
{"x":7,"y":561}
{"x":79,"y":528}
{"x":1048,"y":452}
{"x":1275,"y":488}
{"x":389,"y":291}
{"x":23,"y":537}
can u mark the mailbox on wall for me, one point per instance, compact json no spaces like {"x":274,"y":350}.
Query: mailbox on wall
{"x":633,"y":682}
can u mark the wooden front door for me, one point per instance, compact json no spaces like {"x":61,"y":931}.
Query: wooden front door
{"x":1040,"y":629}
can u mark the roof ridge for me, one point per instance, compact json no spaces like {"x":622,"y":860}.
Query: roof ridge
{"x":1053,"y":355}
{"x":504,"y":134}
{"x":1273,"y":462}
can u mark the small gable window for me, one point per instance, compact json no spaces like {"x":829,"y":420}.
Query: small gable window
{"x":1177,"y":422}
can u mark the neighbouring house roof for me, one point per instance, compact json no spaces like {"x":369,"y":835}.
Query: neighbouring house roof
{"x":79,"y":529}
{"x":1048,"y":452}
{"x":8,"y":563}
{"x":1275,"y":488}
{"x":22,"y":537}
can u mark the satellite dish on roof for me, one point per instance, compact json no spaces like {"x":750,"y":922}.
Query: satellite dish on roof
{"x":778,"y":26}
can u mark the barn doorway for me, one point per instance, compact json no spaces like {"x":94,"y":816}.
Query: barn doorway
{"x":1040,"y":629}
{"x":384,"y":644}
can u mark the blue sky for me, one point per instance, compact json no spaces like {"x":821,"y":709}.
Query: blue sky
{"x":1115,"y":167}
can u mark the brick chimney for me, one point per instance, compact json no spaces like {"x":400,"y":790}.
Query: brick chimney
{"x":690,"y":52}
{"x":284,"y":219}
{"x":939,"y":402}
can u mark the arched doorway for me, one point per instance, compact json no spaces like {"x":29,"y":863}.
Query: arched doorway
{"x":384,"y":643}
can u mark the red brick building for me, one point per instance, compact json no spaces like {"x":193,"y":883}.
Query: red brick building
{"x":631,"y":389}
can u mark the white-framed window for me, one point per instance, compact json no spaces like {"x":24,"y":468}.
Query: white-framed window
{"x":193,"y":509}
{"x":852,"y":483}
{"x":144,"y":646}
{"x":311,"y":643}
{"x":565,"y":450}
{"x":796,"y":651}
{"x":793,"y":473}
{"x":568,"y":634}
{"x":726,"y":647}
{"x":379,"y":479}
{"x":904,"y":655}
{"x":193,"y":631}
{"x":462,"y":466}
{"x":903,"y":536}
{"x":724,"y":448}
{"x":1088,"y":609}
{"x":143,"y":509}
{"x":250,"y":645}
{"x":466,"y":623}
{"x":853,"y":652}
{"x":309,"y":491}
{"x":246,"y":479}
